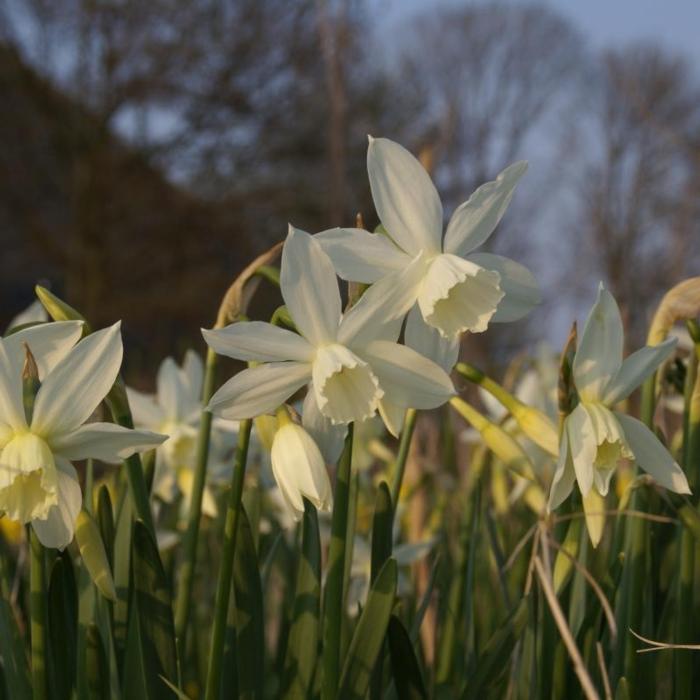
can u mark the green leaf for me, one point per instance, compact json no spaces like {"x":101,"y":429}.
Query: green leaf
{"x":96,"y":666}
{"x":381,"y":530}
{"x":369,"y":635}
{"x":15,"y":670}
{"x":155,"y":615}
{"x":302,"y":644}
{"x":63,"y":626}
{"x":122,"y":567}
{"x":622,"y":692}
{"x":92,"y":551}
{"x":105,"y":520}
{"x":404,"y":662}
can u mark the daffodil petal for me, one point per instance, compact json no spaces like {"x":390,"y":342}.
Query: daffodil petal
{"x":34,"y":313}
{"x":522,"y":293}
{"x":564,"y":476}
{"x":259,"y":390}
{"x":636,"y":368}
{"x":393,"y":416}
{"x":144,"y":409}
{"x":193,"y":372}
{"x":404,"y":197}
{"x":427,"y":341}
{"x":475,"y":220}
{"x":75,"y":387}
{"x":582,"y":445}
{"x":310,"y":288}
{"x":171,"y":390}
{"x":407,"y":378}
{"x":652,"y":456}
{"x":330,"y":438}
{"x":599,"y":355}
{"x":58,"y":529}
{"x":360,"y":256}
{"x":594,"y":510}
{"x":11,"y":404}
{"x":105,"y":441}
{"x":258,"y":341}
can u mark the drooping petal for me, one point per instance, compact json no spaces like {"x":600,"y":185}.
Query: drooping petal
{"x":652,"y":456}
{"x":144,"y":409}
{"x":636,"y":368}
{"x":172,"y":393}
{"x":310,"y":288}
{"x":475,"y":220}
{"x":11,"y":402}
{"x":345,"y":386}
{"x":259,"y":390}
{"x":75,"y":387}
{"x":522,"y":293}
{"x":258,"y":341}
{"x":599,"y":354}
{"x":564,"y":476}
{"x":407,"y":378}
{"x":594,"y":510}
{"x":360,"y":256}
{"x":379,"y":313}
{"x":48,"y":342}
{"x":330,"y":438}
{"x":404,"y":197}
{"x":427,"y":341}
{"x":393,"y":416}
{"x":104,"y":441}
{"x":459,"y":295}
{"x":582,"y":445}
{"x":58,"y":528}
{"x":299,"y":470}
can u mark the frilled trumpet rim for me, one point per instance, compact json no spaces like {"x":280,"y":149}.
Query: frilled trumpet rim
{"x":345,"y":386}
{"x":458,"y":295}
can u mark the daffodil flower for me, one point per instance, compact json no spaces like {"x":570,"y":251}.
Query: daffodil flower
{"x":38,"y":483}
{"x":176,"y":410}
{"x":595,"y":437}
{"x":457,"y":290}
{"x":351,"y":363}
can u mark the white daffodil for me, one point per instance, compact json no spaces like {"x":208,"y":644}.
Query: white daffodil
{"x":596,"y":437}
{"x":176,"y":410}
{"x":38,"y":483}
{"x":456,"y":289}
{"x":351,"y":362}
{"x":299,"y":468}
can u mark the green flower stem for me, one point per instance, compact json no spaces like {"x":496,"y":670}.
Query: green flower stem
{"x":409,"y":424}
{"x":191,"y":538}
{"x":37,"y":589}
{"x":334,"y":599}
{"x":223,"y":586}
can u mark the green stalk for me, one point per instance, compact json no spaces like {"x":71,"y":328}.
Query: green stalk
{"x":334,"y":600}
{"x":223,"y":586}
{"x":37,"y":588}
{"x":184,"y":593}
{"x":409,"y":424}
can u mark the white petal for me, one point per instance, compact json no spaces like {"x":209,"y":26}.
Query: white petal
{"x":459,"y":295}
{"x":58,"y":529}
{"x":636,"y":368}
{"x":564,"y":476}
{"x":475,"y":220}
{"x":599,"y":354}
{"x":193,"y":371}
{"x":518,"y":283}
{"x":404,"y":197}
{"x":594,"y":510}
{"x":393,"y":416}
{"x":427,"y":341}
{"x":259,"y":390}
{"x":310,"y":288}
{"x":329,"y":438}
{"x":172,"y":393}
{"x":345,"y":386}
{"x":34,"y":313}
{"x":299,"y":470}
{"x":49,"y":343}
{"x":408,"y":379}
{"x":144,"y":409}
{"x":11,"y":401}
{"x":582,"y":445}
{"x":258,"y":341}
{"x":360,"y":256}
{"x":75,"y":387}
{"x":105,"y":441}
{"x":380,"y":311}
{"x":652,"y":456}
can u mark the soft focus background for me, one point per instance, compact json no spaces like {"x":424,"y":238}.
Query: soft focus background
{"x":149,"y":149}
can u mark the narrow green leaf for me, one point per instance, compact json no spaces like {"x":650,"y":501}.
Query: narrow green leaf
{"x":155,"y":615}
{"x":122,"y":566}
{"x":404,"y":662}
{"x":369,"y":635}
{"x":622,"y":692}
{"x":105,"y":520}
{"x":381,"y":529}
{"x":92,"y":551}
{"x":63,"y":627}
{"x":96,"y":666}
{"x":302,"y":644}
